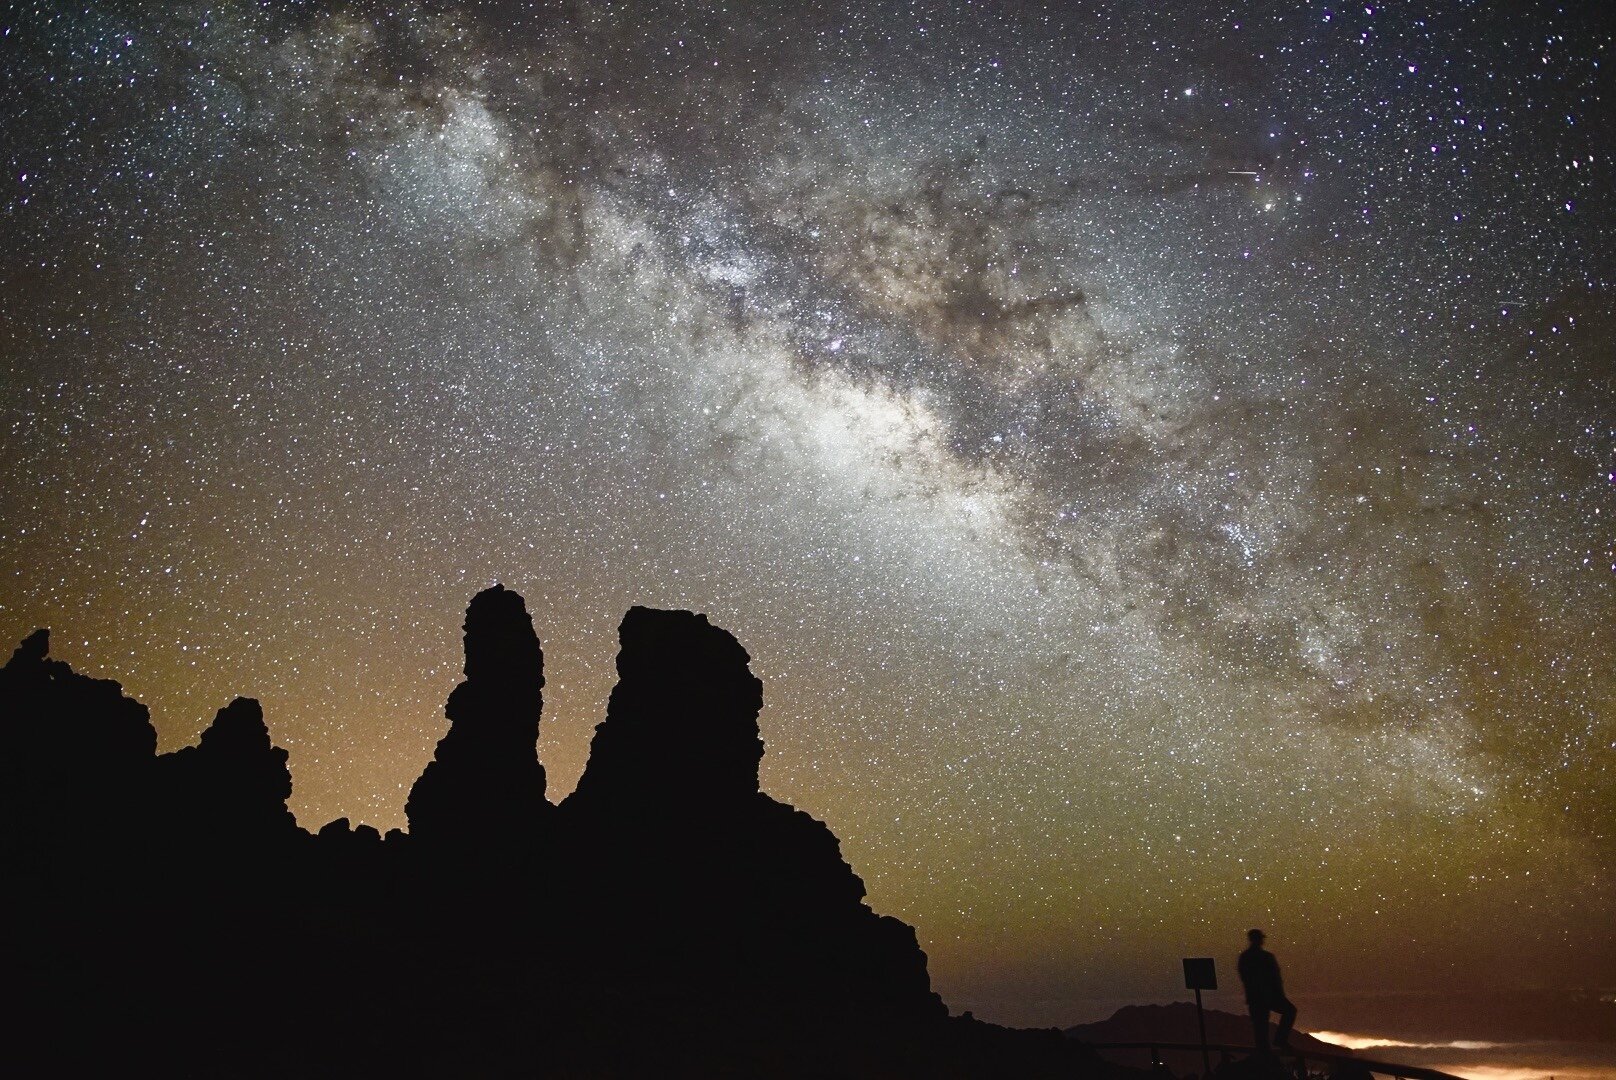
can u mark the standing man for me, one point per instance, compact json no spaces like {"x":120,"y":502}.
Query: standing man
{"x":1265,"y":992}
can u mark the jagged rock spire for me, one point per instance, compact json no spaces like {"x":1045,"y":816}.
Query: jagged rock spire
{"x":681,"y":726}
{"x":234,"y":783}
{"x":669,"y":806}
{"x":485,"y":784}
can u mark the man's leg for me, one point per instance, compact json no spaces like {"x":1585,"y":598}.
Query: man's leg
{"x":1287,"y":1017}
{"x":1259,"y":1026}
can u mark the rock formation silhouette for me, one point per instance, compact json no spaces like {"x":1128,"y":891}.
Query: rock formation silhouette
{"x":670,"y":805}
{"x":140,"y":887}
{"x":667,"y":918}
{"x":228,"y":793}
{"x":74,"y":751}
{"x":681,"y":725}
{"x":485,"y":786}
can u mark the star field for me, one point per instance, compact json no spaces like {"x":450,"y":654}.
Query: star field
{"x":1160,"y":458}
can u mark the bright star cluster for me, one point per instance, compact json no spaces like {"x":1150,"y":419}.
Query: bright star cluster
{"x":1160,"y":457}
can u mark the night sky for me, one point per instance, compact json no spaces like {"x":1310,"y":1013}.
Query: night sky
{"x":1160,"y":457}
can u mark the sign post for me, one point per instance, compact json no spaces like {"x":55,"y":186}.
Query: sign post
{"x":1200,"y":973}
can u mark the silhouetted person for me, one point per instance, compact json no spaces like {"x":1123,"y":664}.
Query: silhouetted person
{"x":1265,"y":992}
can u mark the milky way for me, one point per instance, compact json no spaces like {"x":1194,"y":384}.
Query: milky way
{"x":1161,"y":461}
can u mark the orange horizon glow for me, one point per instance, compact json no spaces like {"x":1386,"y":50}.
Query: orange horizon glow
{"x":1520,"y":1072}
{"x":1372,"y":1042}
{"x":1470,"y":1070}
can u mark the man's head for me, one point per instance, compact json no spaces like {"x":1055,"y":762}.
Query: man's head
{"x":1256,"y":937}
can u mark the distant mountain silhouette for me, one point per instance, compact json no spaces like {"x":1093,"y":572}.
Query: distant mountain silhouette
{"x":168,"y":916}
{"x":1176,"y":1023}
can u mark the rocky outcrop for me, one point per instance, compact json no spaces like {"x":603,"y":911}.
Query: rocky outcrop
{"x":699,"y":882}
{"x":58,"y":720}
{"x":75,"y":757}
{"x":681,"y":730}
{"x":484,"y":786}
{"x":139,"y":887}
{"x":668,"y":918}
{"x":228,"y":793}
